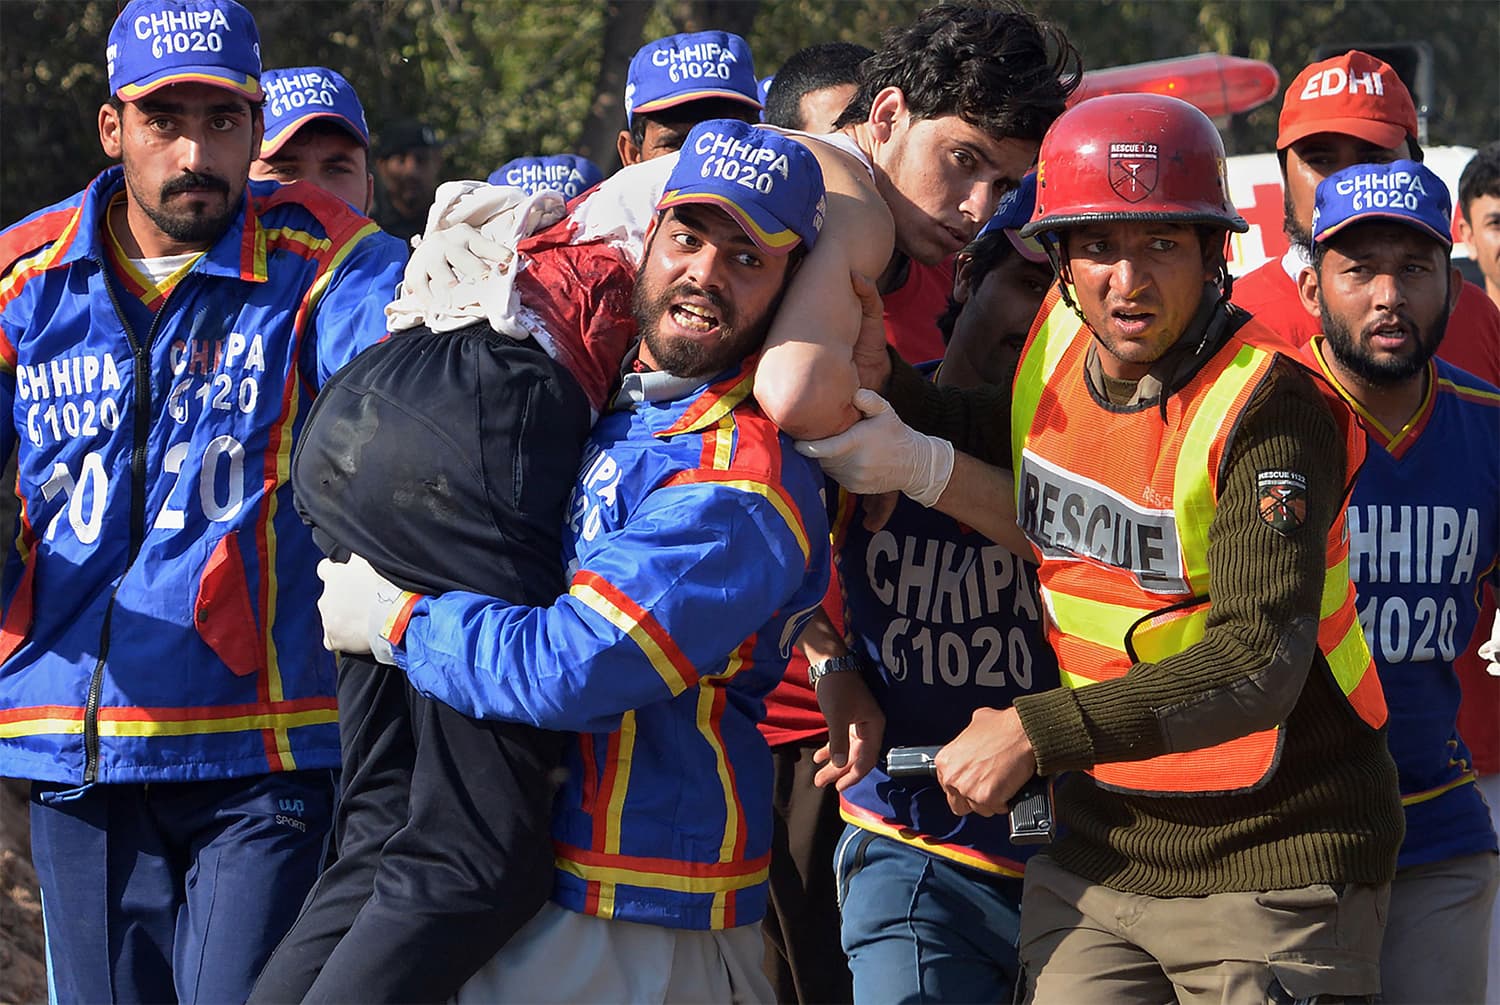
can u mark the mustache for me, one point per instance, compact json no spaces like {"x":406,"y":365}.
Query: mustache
{"x":690,"y":289}
{"x":191,"y":181}
{"x":1402,"y":319}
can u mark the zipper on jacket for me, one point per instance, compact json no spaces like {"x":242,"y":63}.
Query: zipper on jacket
{"x":141,"y":352}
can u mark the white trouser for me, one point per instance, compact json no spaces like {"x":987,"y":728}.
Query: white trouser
{"x":563,"y":956}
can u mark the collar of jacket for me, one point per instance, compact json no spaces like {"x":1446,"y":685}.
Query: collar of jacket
{"x":239,"y":253}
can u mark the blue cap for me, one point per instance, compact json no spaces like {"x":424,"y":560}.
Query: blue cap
{"x":769,"y":183}
{"x":155,"y":43}
{"x":681,"y":68}
{"x":764,"y":89}
{"x":1403,"y":191}
{"x":1013,"y":213}
{"x":569,"y":174}
{"x":299,"y":94}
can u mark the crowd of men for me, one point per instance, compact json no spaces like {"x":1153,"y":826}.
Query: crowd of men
{"x":528,"y":613}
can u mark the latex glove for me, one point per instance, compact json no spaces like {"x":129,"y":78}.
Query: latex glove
{"x":463,"y":269}
{"x":880,"y":453}
{"x":443,"y":259}
{"x":1491,"y":650}
{"x":356,"y":605}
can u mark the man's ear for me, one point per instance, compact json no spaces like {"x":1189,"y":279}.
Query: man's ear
{"x":110,"y":128}
{"x":629,"y":152}
{"x":887,"y":111}
{"x":257,"y":129}
{"x":1061,"y":265}
{"x":1455,"y":287}
{"x":963,"y":268}
{"x":369,"y":194}
{"x":1466,"y":234}
{"x":1215,"y":256}
{"x":1307,"y":290}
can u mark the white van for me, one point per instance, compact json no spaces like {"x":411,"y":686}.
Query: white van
{"x":1255,"y":188}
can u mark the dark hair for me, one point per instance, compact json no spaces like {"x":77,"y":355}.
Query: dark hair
{"x":996,"y":66}
{"x":324,"y":126}
{"x":692,"y":112}
{"x":811,"y":69}
{"x":1481,"y":177}
{"x":984,"y":255}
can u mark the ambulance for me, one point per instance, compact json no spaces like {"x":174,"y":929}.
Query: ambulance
{"x":1225,"y":85}
{"x":1255,"y":188}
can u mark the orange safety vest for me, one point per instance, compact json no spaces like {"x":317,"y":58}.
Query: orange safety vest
{"x":1119,"y":507}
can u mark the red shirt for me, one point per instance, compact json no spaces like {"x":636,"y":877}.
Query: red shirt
{"x":1471,"y":343}
{"x":911,"y":312}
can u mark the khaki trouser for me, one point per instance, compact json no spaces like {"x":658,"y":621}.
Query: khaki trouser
{"x":1082,"y":942}
{"x":1490,"y":786}
{"x":1437,"y":942}
{"x":562,"y":956}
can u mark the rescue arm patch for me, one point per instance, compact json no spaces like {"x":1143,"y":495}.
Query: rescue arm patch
{"x":1281,"y":497}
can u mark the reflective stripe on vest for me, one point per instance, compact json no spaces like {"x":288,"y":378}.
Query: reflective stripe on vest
{"x":1124,"y":545}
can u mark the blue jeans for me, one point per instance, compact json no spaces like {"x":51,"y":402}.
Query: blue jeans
{"x":919,"y":928}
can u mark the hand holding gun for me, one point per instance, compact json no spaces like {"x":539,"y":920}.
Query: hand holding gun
{"x":1030,"y":808}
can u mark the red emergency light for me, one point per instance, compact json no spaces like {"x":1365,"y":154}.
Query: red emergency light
{"x":1218,"y":85}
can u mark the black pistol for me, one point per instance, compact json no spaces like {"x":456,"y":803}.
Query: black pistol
{"x":1030,"y":808}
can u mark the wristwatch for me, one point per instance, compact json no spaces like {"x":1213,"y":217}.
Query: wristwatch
{"x":834,"y":664}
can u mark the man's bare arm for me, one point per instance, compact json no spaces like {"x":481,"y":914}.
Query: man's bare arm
{"x":807,"y":377}
{"x":984,"y":497}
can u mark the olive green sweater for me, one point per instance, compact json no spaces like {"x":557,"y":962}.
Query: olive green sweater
{"x":1330,"y":811}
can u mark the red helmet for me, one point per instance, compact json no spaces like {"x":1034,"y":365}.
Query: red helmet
{"x":1132,"y":157}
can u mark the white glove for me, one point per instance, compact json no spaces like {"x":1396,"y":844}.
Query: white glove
{"x":880,"y":453}
{"x":463,"y":269}
{"x":1491,"y":650}
{"x":443,"y":259}
{"x":356,"y":605}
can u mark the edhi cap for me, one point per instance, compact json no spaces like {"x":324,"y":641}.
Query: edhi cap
{"x":1354,"y":94}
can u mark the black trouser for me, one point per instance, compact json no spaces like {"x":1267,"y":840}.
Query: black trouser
{"x":804,"y":958}
{"x":443,"y":849}
{"x":443,"y":830}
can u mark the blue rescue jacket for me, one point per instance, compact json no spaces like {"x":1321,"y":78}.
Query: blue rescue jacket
{"x":699,"y":549}
{"x":159,"y":604}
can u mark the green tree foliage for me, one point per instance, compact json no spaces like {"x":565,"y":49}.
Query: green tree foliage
{"x":502,"y":78}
